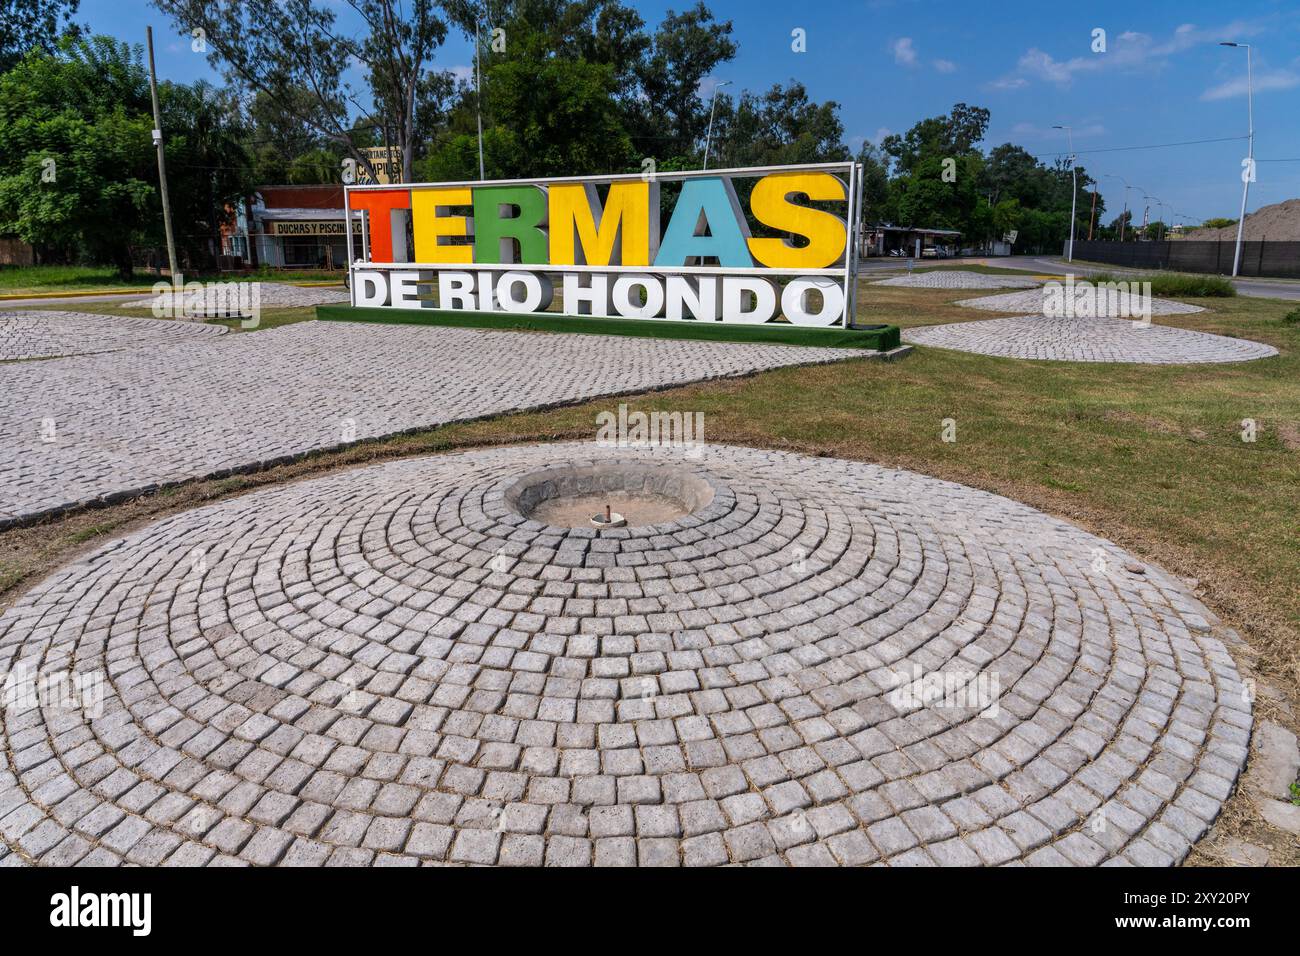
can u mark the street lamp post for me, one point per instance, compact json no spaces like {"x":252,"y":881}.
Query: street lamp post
{"x":1074,"y":187}
{"x":1250,"y":154}
{"x":713,"y":102}
{"x":1123,"y":221}
{"x":478,"y":92}
{"x":1150,"y":199}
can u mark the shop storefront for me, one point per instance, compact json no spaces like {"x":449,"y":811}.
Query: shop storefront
{"x":292,"y":227}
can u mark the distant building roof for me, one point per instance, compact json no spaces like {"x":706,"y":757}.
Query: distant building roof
{"x":325,"y":196}
{"x":302,"y":212}
{"x":884,"y":227}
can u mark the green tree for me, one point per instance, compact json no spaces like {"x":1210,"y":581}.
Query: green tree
{"x":294,"y":52}
{"x":875,"y":183}
{"x":779,"y":127}
{"x":83,"y":178}
{"x":34,"y":25}
{"x":687,"y":48}
{"x":551,"y":116}
{"x":79,"y":175}
{"x":207,"y":164}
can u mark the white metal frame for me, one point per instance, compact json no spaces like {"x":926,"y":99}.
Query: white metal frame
{"x":848,"y":272}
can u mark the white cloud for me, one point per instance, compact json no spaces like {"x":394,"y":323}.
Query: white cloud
{"x":464,"y":74}
{"x":1272,"y":80}
{"x":945,"y":66}
{"x":1008,"y":83}
{"x":904,"y":52}
{"x":1129,"y":51}
{"x":881,"y":133}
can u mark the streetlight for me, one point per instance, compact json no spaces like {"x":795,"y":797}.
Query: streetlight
{"x":713,"y":102}
{"x":1074,"y":189}
{"x":1152,"y":199}
{"x":478,"y":85}
{"x":1249,"y":172}
{"x":1123,"y":221}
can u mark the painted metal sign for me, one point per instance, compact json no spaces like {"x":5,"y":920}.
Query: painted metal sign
{"x":599,"y":244}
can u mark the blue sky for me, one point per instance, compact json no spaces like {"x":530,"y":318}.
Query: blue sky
{"x":1163,"y":78}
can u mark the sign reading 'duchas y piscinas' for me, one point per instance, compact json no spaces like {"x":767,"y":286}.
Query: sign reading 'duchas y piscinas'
{"x":510,"y":246}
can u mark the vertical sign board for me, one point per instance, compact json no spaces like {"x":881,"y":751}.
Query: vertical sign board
{"x":598,"y":241}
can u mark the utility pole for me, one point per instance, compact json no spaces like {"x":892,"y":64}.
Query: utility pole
{"x":1074,"y":186}
{"x":1249,"y":171}
{"x":162,"y":160}
{"x":1123,"y":219}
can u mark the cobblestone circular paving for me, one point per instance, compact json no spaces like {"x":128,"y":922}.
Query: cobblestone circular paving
{"x":1087,"y":340}
{"x":389,"y":665}
{"x":32,"y":335}
{"x":127,"y":422}
{"x":1119,"y":305}
{"x":959,"y":279}
{"x":270,"y":294}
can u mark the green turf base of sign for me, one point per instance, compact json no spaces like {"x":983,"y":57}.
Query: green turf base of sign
{"x":879,"y":339}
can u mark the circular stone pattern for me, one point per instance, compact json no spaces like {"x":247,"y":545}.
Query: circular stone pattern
{"x":31,"y":335}
{"x":1087,"y":340}
{"x":1088,"y":303}
{"x":644,"y":494}
{"x":390,"y":664}
{"x":959,"y":279}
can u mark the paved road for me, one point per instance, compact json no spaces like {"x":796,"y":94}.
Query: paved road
{"x":70,"y":300}
{"x":827,"y":663}
{"x":1256,"y":288}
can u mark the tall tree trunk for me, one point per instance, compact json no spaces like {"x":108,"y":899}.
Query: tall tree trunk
{"x":122,"y":260}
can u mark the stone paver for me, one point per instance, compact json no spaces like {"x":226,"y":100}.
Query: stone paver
{"x":960,"y":279}
{"x":214,"y":300}
{"x":389,"y":662}
{"x":33,"y":335}
{"x":85,"y":428}
{"x":1089,"y":302}
{"x":1087,"y":340}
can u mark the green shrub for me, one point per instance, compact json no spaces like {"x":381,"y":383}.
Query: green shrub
{"x":1292,"y":317}
{"x":1182,"y":284}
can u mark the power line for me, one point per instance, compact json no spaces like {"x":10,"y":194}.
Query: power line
{"x":1121,"y":149}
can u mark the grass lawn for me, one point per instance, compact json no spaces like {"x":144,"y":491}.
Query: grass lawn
{"x":271,"y":318}
{"x":33,"y":279}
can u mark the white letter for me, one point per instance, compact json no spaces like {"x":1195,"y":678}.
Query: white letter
{"x":372,"y":289}
{"x":406,"y":290}
{"x":142,"y":914}
{"x":590,"y":299}
{"x":654,"y":296}
{"x":59,"y":915}
{"x":735,"y":290}
{"x":794,"y":301}
{"x":538,"y":292}
{"x":698,"y":293}
{"x":455,"y":290}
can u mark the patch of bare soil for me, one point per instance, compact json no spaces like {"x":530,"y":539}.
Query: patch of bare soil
{"x":1279,"y":222}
